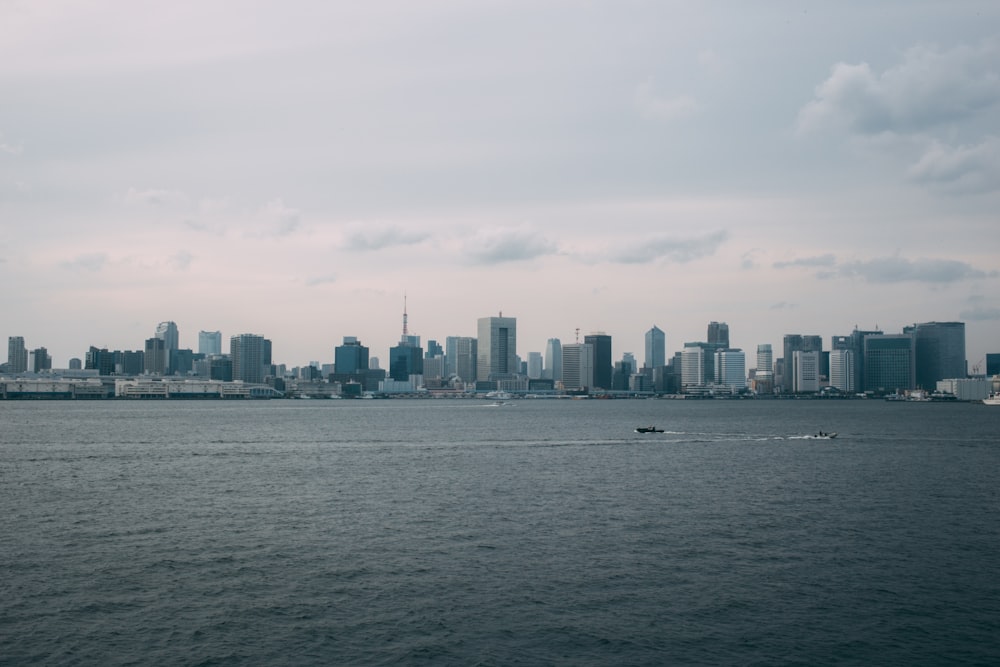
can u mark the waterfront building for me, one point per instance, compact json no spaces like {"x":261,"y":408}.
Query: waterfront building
{"x":167,"y":332}
{"x":497,"y":347}
{"x":153,"y":360}
{"x":797,"y":343}
{"x":577,"y":366}
{"x":17,"y":355}
{"x":131,"y":362}
{"x":603,"y":364}
{"x":889,"y":363}
{"x":939,"y":349}
{"x":39,"y":360}
{"x":692,"y":366}
{"x":534,"y":365}
{"x":351,"y":357}
{"x":855,"y":342}
{"x":718,"y":334}
{"x":731,"y":368}
{"x":405,"y":360}
{"x":992,"y":364}
{"x":250,"y":355}
{"x":460,"y":357}
{"x":805,"y":373}
{"x":553,"y":369}
{"x":210,"y":343}
{"x":842,"y":375}
{"x":656,"y":348}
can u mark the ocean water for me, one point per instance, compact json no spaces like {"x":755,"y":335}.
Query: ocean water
{"x":456,"y":532}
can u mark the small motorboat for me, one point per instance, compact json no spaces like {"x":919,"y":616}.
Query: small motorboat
{"x":822,"y":435}
{"x":648,"y":429}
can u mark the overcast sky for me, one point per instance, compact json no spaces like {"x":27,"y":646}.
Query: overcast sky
{"x":293,"y":168}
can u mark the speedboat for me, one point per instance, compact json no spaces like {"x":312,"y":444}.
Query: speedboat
{"x":648,"y":429}
{"x":823,"y":436}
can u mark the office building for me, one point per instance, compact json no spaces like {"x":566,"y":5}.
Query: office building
{"x":553,"y":360}
{"x":210,"y":343}
{"x":577,"y":366}
{"x":692,"y":366}
{"x":804,"y":372}
{"x":351,"y":357}
{"x":17,"y":355}
{"x":890,"y":363}
{"x":603,"y":365}
{"x":250,"y":356}
{"x":534,"y":365}
{"x":731,"y":368}
{"x":718,"y":334}
{"x":656,"y":348}
{"x":842,"y":370}
{"x":939,"y":349}
{"x":798,"y":343}
{"x":497,"y":337}
{"x":40,"y":360}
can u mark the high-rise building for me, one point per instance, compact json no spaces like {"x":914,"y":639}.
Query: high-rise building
{"x":656,"y":348}
{"x":248,"y":355}
{"x":100,"y":360}
{"x":154,"y":361}
{"x":497,"y":347}
{"x":577,"y":366}
{"x":210,"y":343}
{"x":940,"y":352}
{"x":718,"y":334}
{"x":460,"y":357}
{"x":603,"y":364}
{"x":797,"y":343}
{"x":731,"y":368}
{"x":405,"y":360}
{"x":167,"y":332}
{"x":17,"y":354}
{"x":553,"y":360}
{"x":40,"y":360}
{"x":992,"y":364}
{"x":890,"y":363}
{"x":765,"y":359}
{"x":855,"y":342}
{"x":534,"y":365}
{"x":692,"y":365}
{"x":842,"y":370}
{"x":351,"y":357}
{"x":804,"y":371}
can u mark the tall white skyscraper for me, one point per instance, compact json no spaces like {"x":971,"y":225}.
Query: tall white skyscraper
{"x":842,"y":370}
{"x":805,"y":371}
{"x":656,"y":348}
{"x":578,"y":366}
{"x":534,"y":365}
{"x":553,"y":360}
{"x":731,"y":368}
{"x":692,"y":365}
{"x":765,"y":359}
{"x":497,"y":341}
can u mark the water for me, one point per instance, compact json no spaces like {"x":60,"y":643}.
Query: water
{"x":453,"y":532}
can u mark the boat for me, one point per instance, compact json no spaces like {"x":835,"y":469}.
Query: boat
{"x":648,"y":429}
{"x":822,"y":436}
{"x":992,"y":399}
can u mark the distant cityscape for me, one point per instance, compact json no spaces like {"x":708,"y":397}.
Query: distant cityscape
{"x":924,"y":361}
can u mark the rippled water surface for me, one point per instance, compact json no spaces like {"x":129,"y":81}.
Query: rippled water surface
{"x":455,"y":532}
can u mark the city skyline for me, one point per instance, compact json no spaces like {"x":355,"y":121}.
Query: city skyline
{"x":295,"y":169}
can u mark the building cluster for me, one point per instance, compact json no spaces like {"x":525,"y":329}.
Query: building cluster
{"x":928,"y":356}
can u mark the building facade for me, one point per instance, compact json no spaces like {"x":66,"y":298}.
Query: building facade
{"x":603,"y":364}
{"x":656,"y":348}
{"x":497,"y":347}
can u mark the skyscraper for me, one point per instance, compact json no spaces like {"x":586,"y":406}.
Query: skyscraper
{"x":692,"y":365}
{"x":497,"y":347}
{"x":889,"y":363}
{"x":797,"y":343}
{"x":40,"y":360}
{"x":153,"y":359}
{"x":855,"y":342}
{"x":842,"y":370}
{"x":718,"y":334}
{"x":167,"y":332}
{"x":210,"y":343}
{"x":17,"y":354}
{"x":656,"y":348}
{"x":603,"y":364}
{"x":553,"y":360}
{"x":731,"y":368}
{"x":940,"y":352}
{"x":534,"y":365}
{"x":351,"y":357}
{"x":577,"y":366}
{"x":247,"y":352}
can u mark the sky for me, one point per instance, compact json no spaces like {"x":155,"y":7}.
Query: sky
{"x":295,"y":169}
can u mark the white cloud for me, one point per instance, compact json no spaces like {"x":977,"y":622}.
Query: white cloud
{"x":671,"y":249}
{"x":92,"y":262}
{"x":158,"y":197}
{"x":924,"y":270}
{"x":960,"y":169}
{"x":928,"y":88}
{"x":372,"y":236}
{"x":507,"y":244}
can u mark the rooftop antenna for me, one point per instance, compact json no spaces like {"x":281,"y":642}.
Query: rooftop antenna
{"x":405,"y":331}
{"x":578,"y":334}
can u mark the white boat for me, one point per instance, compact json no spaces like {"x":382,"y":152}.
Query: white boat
{"x":500,"y":395}
{"x":993,"y":399}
